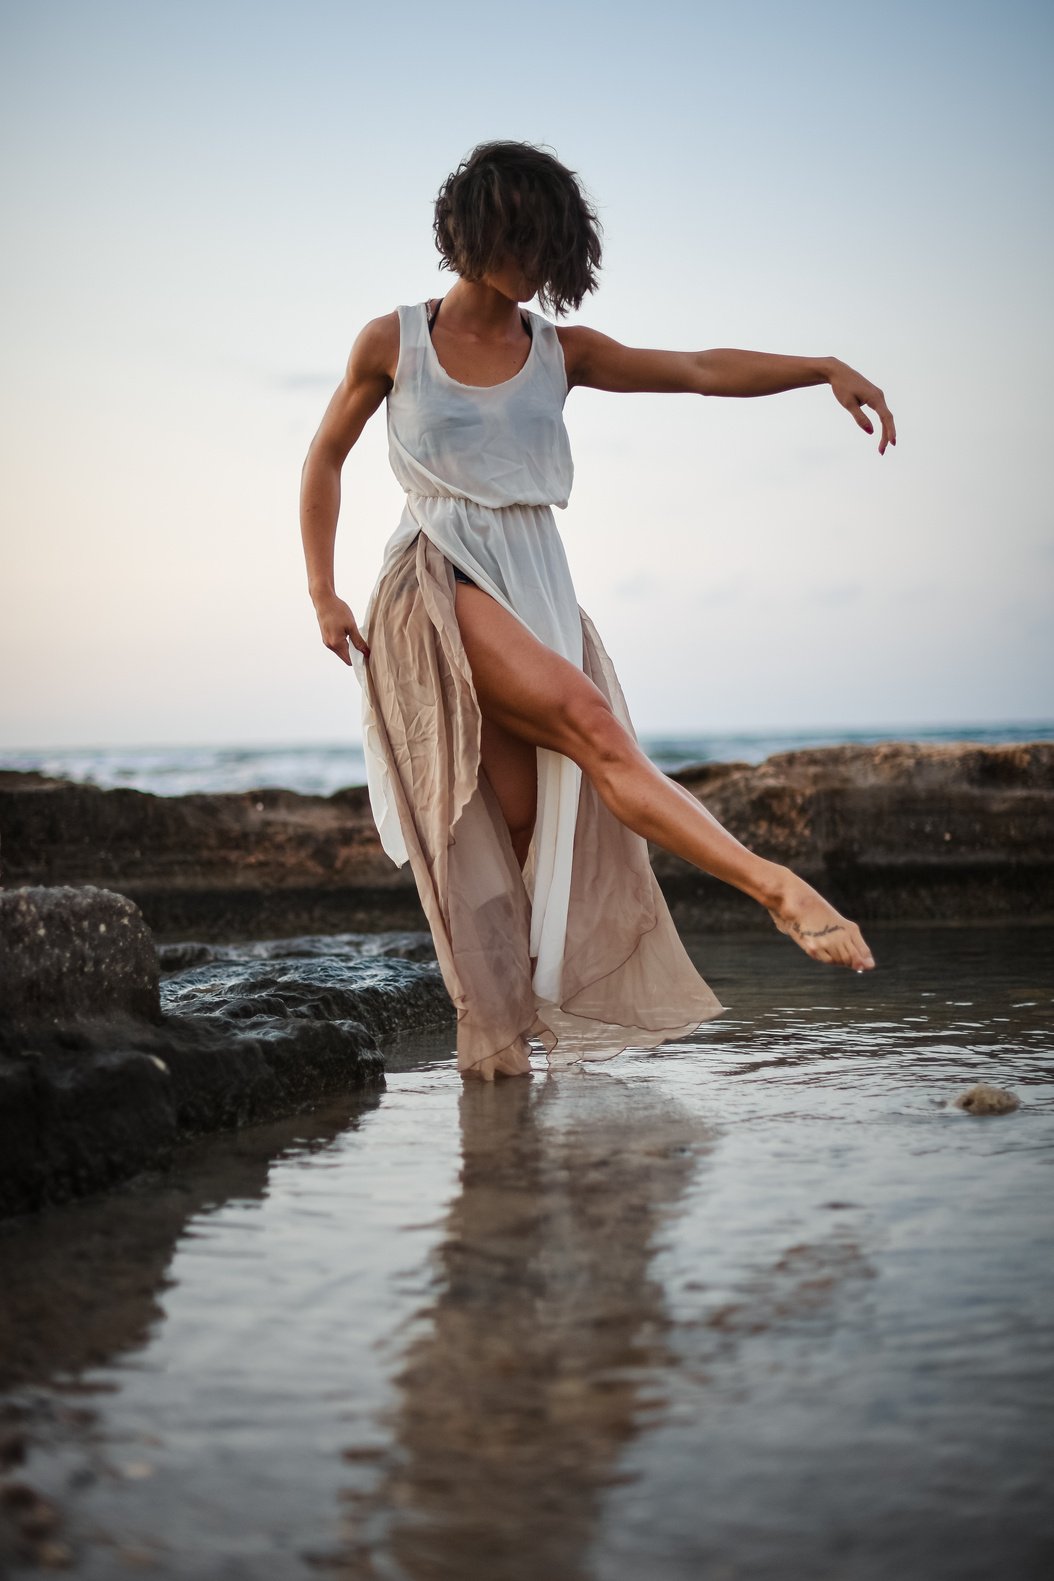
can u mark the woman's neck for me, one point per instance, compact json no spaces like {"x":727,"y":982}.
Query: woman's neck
{"x":479,"y":311}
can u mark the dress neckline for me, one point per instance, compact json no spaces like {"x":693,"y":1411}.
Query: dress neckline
{"x":460,"y":383}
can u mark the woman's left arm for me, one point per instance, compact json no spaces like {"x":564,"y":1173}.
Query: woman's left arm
{"x":600,"y":363}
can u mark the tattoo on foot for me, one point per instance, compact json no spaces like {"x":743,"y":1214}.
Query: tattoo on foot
{"x":815,"y":933}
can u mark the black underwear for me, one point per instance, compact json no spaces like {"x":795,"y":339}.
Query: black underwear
{"x":459,"y":576}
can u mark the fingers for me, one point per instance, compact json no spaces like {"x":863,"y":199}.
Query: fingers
{"x":358,"y":640}
{"x":859,"y":415}
{"x":340,"y":648}
{"x":854,"y":399}
{"x":885,"y":417}
{"x":337,"y":642}
{"x":889,"y":430}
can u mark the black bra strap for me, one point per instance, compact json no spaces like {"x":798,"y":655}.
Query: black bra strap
{"x":524,"y":319}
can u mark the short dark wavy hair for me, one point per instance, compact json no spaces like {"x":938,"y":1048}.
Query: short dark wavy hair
{"x":518,"y":198}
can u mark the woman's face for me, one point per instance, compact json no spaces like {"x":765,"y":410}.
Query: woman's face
{"x":507,"y":276}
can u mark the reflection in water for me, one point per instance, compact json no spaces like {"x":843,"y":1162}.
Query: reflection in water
{"x":547,"y":1340}
{"x":764,"y":1305}
{"x":83,"y":1282}
{"x":94,"y":1400}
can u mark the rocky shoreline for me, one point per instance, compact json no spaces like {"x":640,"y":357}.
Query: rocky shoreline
{"x":898,"y":830}
{"x":175,"y":965}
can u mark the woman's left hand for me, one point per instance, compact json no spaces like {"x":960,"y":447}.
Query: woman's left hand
{"x":855,"y":392}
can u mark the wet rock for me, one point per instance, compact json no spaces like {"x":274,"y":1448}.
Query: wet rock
{"x":985,"y":1099}
{"x":71,"y":954}
{"x":38,"y":1518}
{"x":15,"y":1495}
{"x":83,"y":1108}
{"x":414,"y":946}
{"x":178,"y":957}
{"x":53,"y":1556}
{"x":957,"y":831}
{"x":12,"y":1447}
{"x":385,"y":995}
{"x":28,"y":1523}
{"x":90,"y":1099}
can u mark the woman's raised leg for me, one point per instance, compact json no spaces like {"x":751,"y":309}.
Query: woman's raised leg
{"x":530,"y":692}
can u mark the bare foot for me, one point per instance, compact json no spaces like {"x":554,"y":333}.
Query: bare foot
{"x":812,"y":922}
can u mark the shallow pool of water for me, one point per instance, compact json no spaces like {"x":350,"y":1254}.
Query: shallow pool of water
{"x":759,"y":1305}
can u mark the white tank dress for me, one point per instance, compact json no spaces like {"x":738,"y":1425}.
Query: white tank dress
{"x":588,"y":966}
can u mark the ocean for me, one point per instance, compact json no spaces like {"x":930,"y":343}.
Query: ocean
{"x":320,"y":768}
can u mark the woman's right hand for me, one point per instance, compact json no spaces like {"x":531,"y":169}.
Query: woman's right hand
{"x":337,"y":625}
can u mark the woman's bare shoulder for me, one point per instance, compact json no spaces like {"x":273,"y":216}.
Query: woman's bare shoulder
{"x":576,"y":342}
{"x":375,"y":351}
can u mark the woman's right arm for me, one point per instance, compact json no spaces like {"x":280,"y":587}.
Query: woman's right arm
{"x":369,"y":376}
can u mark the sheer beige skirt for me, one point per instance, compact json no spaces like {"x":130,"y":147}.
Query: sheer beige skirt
{"x":627,"y":980}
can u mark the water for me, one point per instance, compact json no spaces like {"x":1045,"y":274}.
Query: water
{"x":319,"y":769}
{"x":756,"y":1307}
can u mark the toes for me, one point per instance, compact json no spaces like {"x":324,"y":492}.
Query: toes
{"x":838,"y":948}
{"x":845,"y":947}
{"x":842,"y":949}
{"x":863,"y":960}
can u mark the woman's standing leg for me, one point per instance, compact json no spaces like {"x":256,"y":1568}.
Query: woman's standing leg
{"x":511,"y":765}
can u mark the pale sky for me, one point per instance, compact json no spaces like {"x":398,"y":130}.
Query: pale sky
{"x":206,"y":201}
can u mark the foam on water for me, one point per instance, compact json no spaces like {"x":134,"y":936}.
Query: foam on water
{"x":318,"y":769}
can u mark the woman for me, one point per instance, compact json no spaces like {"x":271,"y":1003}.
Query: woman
{"x":501,"y":757}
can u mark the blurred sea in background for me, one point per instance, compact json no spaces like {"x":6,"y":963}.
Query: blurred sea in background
{"x":318,"y":769}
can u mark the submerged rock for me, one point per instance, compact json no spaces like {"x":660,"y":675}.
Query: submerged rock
{"x":983,"y":1098}
{"x":105,"y":1067}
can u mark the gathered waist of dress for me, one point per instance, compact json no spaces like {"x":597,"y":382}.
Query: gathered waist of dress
{"x":467,"y":500}
{"x":487,"y":540}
